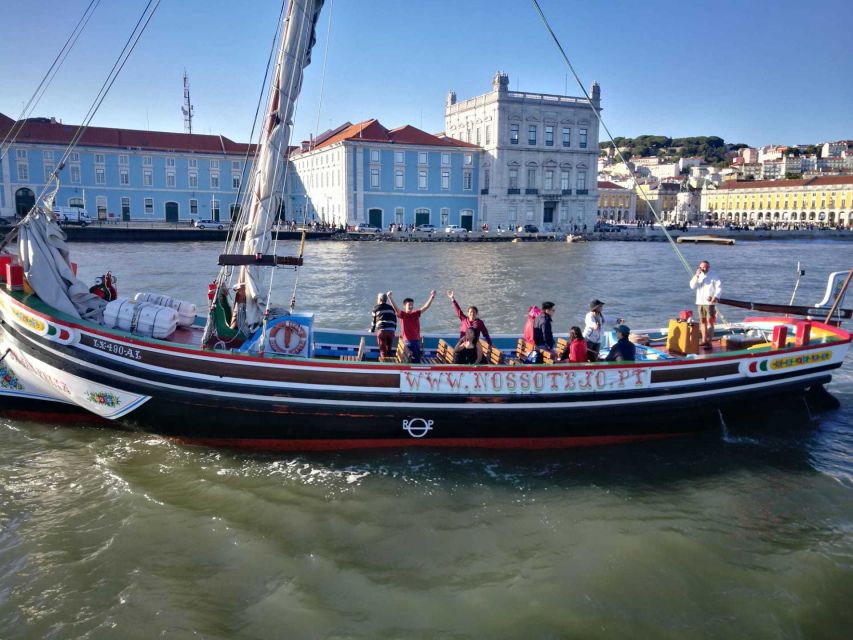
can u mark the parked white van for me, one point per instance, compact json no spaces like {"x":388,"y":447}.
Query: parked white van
{"x":72,"y":215}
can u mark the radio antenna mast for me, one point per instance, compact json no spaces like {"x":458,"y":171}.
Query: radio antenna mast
{"x":188,"y":108}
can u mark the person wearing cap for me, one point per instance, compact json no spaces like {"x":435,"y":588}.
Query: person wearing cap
{"x":624,"y":349}
{"x":384,"y":324}
{"x":594,"y":323}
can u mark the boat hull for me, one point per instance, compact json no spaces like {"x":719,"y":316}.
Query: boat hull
{"x":220,"y":398}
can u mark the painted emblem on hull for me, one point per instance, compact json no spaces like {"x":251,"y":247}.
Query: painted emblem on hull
{"x":9,"y":380}
{"x":771,"y":365}
{"x":103,"y":397}
{"x":417,"y":427}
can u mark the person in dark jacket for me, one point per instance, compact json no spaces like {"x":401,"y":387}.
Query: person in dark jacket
{"x":384,"y":325}
{"x":471,"y":320}
{"x":624,"y":349}
{"x":543,"y":337}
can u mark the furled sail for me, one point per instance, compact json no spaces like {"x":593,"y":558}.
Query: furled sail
{"x":267,"y":183}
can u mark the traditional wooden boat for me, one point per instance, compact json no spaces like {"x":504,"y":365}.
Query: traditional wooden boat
{"x":284,"y":384}
{"x":707,"y":239}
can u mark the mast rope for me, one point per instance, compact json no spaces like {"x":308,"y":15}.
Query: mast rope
{"x":50,"y":74}
{"x":637,"y":185}
{"x":130,"y":44}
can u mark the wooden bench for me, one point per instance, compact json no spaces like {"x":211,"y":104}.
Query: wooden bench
{"x":399,"y":356}
{"x":491,"y":354}
{"x":562,"y":351}
{"x":359,"y":356}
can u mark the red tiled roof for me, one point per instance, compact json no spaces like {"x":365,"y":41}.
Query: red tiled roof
{"x":45,"y":131}
{"x":373,"y":131}
{"x":606,"y":184}
{"x":803,"y":182}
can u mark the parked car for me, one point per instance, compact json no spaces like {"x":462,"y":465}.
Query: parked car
{"x":428,"y":228}
{"x":530,"y":228}
{"x":211,"y":224}
{"x":609,"y":228}
{"x":455,"y":228}
{"x":363,"y":227}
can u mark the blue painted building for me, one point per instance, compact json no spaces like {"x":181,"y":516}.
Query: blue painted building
{"x":365,"y":173}
{"x":124,"y":174}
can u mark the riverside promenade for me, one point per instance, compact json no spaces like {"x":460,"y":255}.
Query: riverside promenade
{"x":164,"y":232}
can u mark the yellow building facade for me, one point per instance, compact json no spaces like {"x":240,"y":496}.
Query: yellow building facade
{"x":822,"y":201}
{"x":616,"y":203}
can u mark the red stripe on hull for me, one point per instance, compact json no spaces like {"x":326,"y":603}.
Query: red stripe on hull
{"x":262,"y":444}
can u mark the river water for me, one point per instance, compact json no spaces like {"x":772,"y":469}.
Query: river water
{"x":744,"y":532}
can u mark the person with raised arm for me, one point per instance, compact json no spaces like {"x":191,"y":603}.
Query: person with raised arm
{"x":410,"y":323}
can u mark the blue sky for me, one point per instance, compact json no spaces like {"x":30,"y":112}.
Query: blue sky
{"x":751,"y":71}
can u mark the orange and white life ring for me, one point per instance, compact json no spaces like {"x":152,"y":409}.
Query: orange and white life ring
{"x":288,"y":337}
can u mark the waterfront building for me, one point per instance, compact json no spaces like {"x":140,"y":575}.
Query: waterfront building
{"x":539,"y":155}
{"x":823,"y":200}
{"x":123,"y":174}
{"x":663,"y":196}
{"x":365,"y":173}
{"x":615,"y":203}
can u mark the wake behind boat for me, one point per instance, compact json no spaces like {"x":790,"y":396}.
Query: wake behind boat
{"x":265,"y":377}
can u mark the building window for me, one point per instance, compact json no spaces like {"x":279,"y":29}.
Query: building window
{"x":399,"y":157}
{"x":581,"y":181}
{"x":488,"y":134}
{"x":567,"y":136}
{"x":147,"y":178}
{"x":170,"y":161}
{"x":214,"y":180}
{"x":513,"y":213}
{"x":531,"y":134}
{"x":149,"y":206}
{"x":549,"y":180}
{"x":531,"y":178}
{"x":444,"y":219}
{"x":235,"y":165}
{"x":192,"y":163}
{"x":374,"y":155}
{"x":374,"y":178}
{"x":583,"y":138}
{"x":398,"y":215}
{"x":486,"y":179}
{"x":214,"y":165}
{"x":478,"y":135}
{"x":48,"y":171}
{"x":214,"y":209}
{"x":513,"y":178}
{"x":399,"y":179}
{"x":170,"y":179}
{"x":74,"y":157}
{"x":235,"y":182}
{"x":193,"y":180}
{"x":513,"y":134}
{"x":75,"y":173}
{"x":529,"y":215}
{"x":125,"y":208}
{"x":422,"y":157}
{"x":123,"y":159}
{"x":549,"y":136}
{"x":21,"y":154}
{"x":564,"y":213}
{"x":99,"y":158}
{"x":422,"y":179}
{"x":445,"y":158}
{"x":100,"y":176}
{"x":76,"y":202}
{"x":445,"y":180}
{"x":124,"y":177}
{"x":467,"y":180}
{"x":193,"y":207}
{"x":564,"y":180}
{"x":146,"y":161}
{"x":47,"y":156}
{"x":23,"y":172}
{"x":469,"y":159}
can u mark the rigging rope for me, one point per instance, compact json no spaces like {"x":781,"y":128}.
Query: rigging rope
{"x":49,"y":75}
{"x":595,"y":110}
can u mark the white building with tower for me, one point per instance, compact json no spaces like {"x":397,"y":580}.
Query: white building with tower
{"x":539,"y":159}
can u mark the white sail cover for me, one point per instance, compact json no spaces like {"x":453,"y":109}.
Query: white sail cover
{"x":47,"y":267}
{"x":269,"y":169}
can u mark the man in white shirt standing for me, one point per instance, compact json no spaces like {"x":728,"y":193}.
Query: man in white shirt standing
{"x":708,"y":287}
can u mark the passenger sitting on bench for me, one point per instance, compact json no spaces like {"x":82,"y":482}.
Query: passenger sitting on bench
{"x":624,"y":349}
{"x":468,"y":349}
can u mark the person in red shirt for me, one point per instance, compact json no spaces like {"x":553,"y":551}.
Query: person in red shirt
{"x":577,"y":345}
{"x":470,"y":320}
{"x":410,"y":323}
